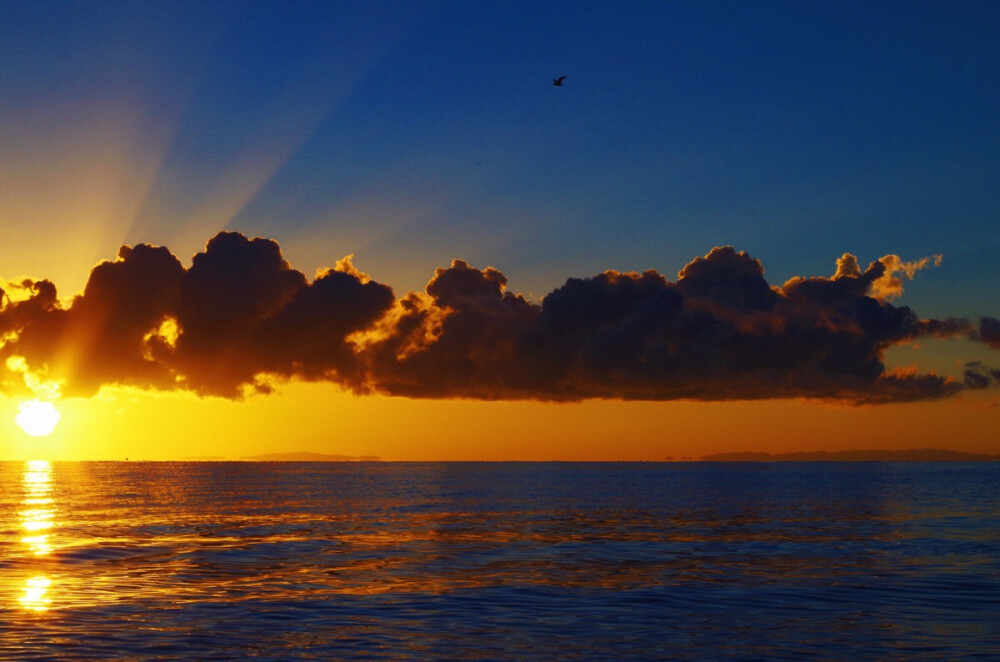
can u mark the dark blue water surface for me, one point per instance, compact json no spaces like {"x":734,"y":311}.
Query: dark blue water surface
{"x":496,"y":561}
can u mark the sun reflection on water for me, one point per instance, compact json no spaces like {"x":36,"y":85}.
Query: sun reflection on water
{"x":35,"y":595}
{"x":37,"y":521}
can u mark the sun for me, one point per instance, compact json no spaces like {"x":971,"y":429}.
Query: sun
{"x":38,"y":418}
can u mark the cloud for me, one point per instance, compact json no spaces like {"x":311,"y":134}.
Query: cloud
{"x":979,"y":375}
{"x":989,"y":331}
{"x":458,"y":339}
{"x":106,"y":327}
{"x":951,"y":327}
{"x":238,"y":313}
{"x":308,"y":337}
{"x":229,"y":289}
{"x":721,"y":332}
{"x":32,"y":324}
{"x":242,"y":318}
{"x":889,"y":285}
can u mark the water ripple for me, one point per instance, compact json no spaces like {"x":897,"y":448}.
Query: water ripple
{"x":180,"y":561}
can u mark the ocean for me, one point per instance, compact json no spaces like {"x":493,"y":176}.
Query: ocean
{"x":499,"y":561}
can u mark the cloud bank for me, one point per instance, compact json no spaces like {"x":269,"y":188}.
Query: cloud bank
{"x":241,"y":319}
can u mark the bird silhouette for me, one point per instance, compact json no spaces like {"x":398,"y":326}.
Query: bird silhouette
{"x":558,"y":81}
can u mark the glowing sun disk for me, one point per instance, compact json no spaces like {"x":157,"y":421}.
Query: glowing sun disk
{"x":38,"y":418}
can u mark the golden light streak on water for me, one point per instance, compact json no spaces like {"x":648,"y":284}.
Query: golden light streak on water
{"x":37,"y":520}
{"x":38,"y":517}
{"x":35,"y":595}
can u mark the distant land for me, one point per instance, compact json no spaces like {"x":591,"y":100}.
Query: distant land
{"x":309,"y":457}
{"x":910,"y":455}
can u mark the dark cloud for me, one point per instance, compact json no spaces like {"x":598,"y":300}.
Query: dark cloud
{"x":229,"y":289}
{"x":979,"y":375}
{"x":951,"y":327}
{"x":238,"y":313}
{"x":457,"y":340}
{"x":107,"y":325}
{"x":244,"y":312}
{"x":241,"y":317}
{"x":33,"y":324}
{"x":721,"y":332}
{"x":308,"y":337}
{"x":989,"y":331}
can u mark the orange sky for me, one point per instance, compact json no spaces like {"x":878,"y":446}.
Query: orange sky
{"x":319,"y":418}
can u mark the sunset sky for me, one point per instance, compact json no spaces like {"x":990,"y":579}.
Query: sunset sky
{"x":847,"y":152}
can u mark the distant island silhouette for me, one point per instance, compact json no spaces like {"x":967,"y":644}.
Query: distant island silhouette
{"x":309,"y":457}
{"x":909,"y":455}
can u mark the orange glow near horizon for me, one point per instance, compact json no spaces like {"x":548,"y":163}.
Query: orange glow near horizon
{"x":318,"y":418}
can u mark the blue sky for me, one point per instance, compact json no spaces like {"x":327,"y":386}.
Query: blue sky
{"x":413,"y":133}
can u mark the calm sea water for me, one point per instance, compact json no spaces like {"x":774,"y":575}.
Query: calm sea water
{"x":521,"y":561}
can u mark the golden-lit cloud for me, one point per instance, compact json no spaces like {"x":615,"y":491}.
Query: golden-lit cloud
{"x":889,"y":285}
{"x":241,"y":319}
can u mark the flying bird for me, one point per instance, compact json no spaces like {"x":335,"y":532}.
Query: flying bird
{"x":558,"y":81}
